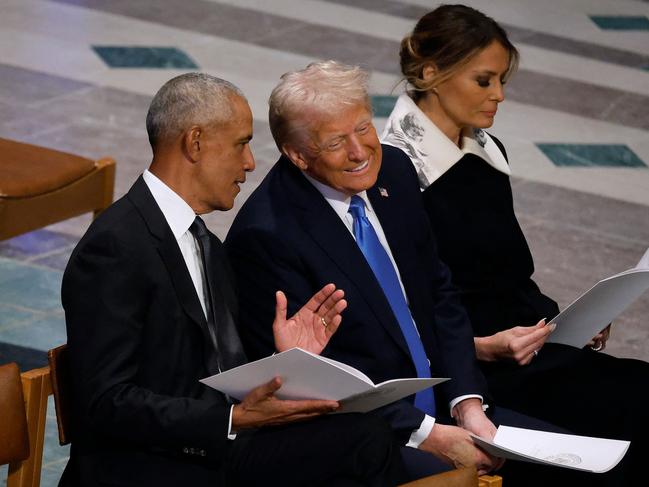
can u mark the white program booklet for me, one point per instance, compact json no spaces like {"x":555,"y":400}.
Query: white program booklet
{"x":596,"y":308}
{"x":596,"y":455}
{"x":308,"y":376}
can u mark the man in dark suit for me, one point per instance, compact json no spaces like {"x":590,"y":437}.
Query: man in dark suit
{"x":150,"y":310}
{"x":339,"y":207}
{"x":297,"y":231}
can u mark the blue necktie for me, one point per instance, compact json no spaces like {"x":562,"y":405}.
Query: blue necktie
{"x":385,"y":273}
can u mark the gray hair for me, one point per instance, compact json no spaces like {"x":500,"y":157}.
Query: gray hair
{"x":321,"y":89}
{"x":186,"y":100}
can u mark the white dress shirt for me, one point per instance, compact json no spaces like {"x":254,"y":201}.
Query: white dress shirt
{"x":180,"y":216}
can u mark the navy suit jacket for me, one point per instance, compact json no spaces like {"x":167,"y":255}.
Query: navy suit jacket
{"x":288,"y":237}
{"x":138,"y":345}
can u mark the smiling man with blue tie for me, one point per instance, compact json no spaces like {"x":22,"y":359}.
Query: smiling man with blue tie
{"x":339,"y":207}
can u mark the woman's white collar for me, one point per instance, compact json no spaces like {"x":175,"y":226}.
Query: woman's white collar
{"x":432,"y":153}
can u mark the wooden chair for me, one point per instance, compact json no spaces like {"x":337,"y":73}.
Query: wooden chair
{"x":60,"y":376}
{"x":462,"y":477}
{"x":23,"y":402}
{"x":40,"y":186}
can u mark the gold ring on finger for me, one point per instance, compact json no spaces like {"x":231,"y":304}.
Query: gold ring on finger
{"x":324,"y":322}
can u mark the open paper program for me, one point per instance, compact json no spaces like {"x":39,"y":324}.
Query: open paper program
{"x":600,"y":305}
{"x":586,"y":453}
{"x":308,"y":376}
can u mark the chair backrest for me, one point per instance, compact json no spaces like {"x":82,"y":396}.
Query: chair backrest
{"x":14,"y":438}
{"x":28,"y":405}
{"x":60,"y":373}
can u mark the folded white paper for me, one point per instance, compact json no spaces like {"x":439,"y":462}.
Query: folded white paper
{"x":308,"y":376}
{"x":586,"y":453}
{"x":596,"y":308}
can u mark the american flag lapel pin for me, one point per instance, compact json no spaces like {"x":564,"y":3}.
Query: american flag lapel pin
{"x":383,"y":192}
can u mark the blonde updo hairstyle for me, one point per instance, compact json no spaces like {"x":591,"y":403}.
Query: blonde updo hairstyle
{"x":449,"y":37}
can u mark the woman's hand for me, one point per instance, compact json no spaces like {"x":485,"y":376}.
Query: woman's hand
{"x":520,"y":343}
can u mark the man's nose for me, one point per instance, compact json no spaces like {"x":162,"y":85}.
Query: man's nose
{"x":356,"y":150}
{"x":249,"y":160}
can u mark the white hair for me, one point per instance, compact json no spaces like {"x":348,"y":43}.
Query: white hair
{"x":321,"y":89}
{"x":186,"y":100}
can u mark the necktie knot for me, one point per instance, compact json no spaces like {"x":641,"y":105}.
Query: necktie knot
{"x":198,"y":228}
{"x":357,"y":207}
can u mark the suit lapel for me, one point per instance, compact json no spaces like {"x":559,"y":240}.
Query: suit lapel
{"x":327,"y":231}
{"x":173,"y":260}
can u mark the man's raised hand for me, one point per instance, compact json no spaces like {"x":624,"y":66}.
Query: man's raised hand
{"x":313,"y":325}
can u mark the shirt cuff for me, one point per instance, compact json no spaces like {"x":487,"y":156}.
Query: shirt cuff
{"x":459,"y":399}
{"x":419,"y":435}
{"x":231,"y":435}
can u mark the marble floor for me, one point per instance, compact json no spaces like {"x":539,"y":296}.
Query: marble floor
{"x":77,"y":75}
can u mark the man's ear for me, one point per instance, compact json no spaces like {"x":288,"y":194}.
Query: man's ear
{"x":191,"y":142}
{"x":296,"y":156}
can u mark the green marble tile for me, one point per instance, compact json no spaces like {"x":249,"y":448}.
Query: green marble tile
{"x":43,"y":333}
{"x":29,"y":287}
{"x":621,"y":22}
{"x":33,"y":244}
{"x":383,"y":104}
{"x":11,"y":315}
{"x":595,"y":155}
{"x":144,"y":57}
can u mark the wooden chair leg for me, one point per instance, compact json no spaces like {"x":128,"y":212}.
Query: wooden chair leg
{"x":36,"y":388}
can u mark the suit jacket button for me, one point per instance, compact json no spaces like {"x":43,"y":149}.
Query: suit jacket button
{"x":185,"y":450}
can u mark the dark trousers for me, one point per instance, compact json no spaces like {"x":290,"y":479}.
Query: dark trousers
{"x":341,"y":450}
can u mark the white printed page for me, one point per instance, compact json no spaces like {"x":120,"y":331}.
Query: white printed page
{"x":304,"y":376}
{"x":386,"y":393}
{"x":586,"y":453}
{"x":599,"y":306}
{"x":308,"y":376}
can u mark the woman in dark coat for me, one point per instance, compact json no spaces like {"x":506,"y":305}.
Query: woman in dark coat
{"x":456,"y":63}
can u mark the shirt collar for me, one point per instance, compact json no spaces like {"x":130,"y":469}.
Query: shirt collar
{"x":177,"y":212}
{"x":338,"y":200}
{"x":431,"y":151}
